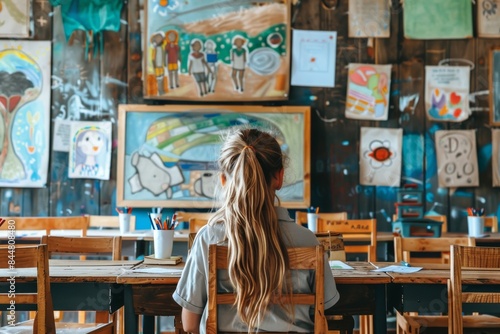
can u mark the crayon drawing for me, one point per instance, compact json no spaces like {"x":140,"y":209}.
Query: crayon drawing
{"x":25,"y":113}
{"x":380,"y":156}
{"x":368,"y":92}
{"x":369,"y":18}
{"x":495,"y":138}
{"x":443,"y":19}
{"x":170,"y":152}
{"x":488,"y":18}
{"x":217,"y":50}
{"x":447,"y":93}
{"x":15,"y":18}
{"x":90,"y":150}
{"x":457,"y":158}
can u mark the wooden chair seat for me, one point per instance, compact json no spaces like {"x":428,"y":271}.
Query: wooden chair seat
{"x":26,"y":327}
{"x":416,"y":324}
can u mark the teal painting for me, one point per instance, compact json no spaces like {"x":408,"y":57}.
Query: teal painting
{"x":442,"y":19}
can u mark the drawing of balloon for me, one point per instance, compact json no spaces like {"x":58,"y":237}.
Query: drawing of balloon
{"x":20,"y":83}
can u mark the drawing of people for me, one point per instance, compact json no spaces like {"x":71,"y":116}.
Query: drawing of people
{"x":173,"y":57}
{"x":238,"y":60}
{"x":212,"y":61}
{"x":197,"y":66}
{"x":90,"y":153}
{"x":158,"y":59}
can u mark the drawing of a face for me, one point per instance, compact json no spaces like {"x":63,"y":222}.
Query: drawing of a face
{"x":210,"y":46}
{"x":457,"y":150}
{"x":91,"y":142}
{"x":196,"y":46}
{"x":172,"y":36}
{"x":239,"y":42}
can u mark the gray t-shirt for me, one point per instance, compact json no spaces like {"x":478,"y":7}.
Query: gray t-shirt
{"x":192,"y":289}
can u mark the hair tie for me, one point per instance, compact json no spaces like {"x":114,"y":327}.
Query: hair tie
{"x":248,"y":146}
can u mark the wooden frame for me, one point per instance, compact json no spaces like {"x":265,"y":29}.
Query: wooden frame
{"x":494,"y":74}
{"x":217,"y":51}
{"x":167,"y":154}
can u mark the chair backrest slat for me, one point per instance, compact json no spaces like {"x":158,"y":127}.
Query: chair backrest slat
{"x":301,"y":216}
{"x":50,"y":223}
{"x":84,"y":245}
{"x":403,"y":247}
{"x":308,"y":258}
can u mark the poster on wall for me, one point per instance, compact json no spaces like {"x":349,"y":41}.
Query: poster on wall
{"x":217,"y":50}
{"x":457,"y":158}
{"x":488,"y":18}
{"x":495,"y":138}
{"x":90,"y":150}
{"x":368,"y":92}
{"x":443,"y":19}
{"x":313,"y":58}
{"x":169,"y":153}
{"x":25,"y":112}
{"x":447,"y":93}
{"x":380,"y":156}
{"x":369,"y":18}
{"x":15,"y":18}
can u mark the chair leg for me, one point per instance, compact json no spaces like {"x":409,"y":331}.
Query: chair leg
{"x":178,"y":325}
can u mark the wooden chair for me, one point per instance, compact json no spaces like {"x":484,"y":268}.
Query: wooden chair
{"x":301,"y":216}
{"x":439,"y":218}
{"x":492,"y":223}
{"x":108,"y":221}
{"x":36,"y":256}
{"x":471,"y":259}
{"x":90,"y":246}
{"x":403,"y":247}
{"x":49,"y":224}
{"x":358,"y":228}
{"x":311,"y":258}
{"x":184,"y":216}
{"x":196,"y":223}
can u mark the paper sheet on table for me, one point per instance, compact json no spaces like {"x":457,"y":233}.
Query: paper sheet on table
{"x":336,"y":264}
{"x":158,"y":271}
{"x":399,"y":269}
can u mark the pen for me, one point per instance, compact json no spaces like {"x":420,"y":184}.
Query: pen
{"x":405,"y":264}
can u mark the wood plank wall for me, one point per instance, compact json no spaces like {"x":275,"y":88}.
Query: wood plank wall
{"x":108,"y":77}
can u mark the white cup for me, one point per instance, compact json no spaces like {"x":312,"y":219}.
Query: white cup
{"x":163,"y":243}
{"x":312,"y":222}
{"x":476,"y":226}
{"x":124,"y":219}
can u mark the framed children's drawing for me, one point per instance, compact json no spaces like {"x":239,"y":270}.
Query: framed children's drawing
{"x":495,"y":86}
{"x":168,"y":154}
{"x":217,"y":50}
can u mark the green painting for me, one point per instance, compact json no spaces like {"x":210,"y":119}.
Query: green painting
{"x":443,"y":19}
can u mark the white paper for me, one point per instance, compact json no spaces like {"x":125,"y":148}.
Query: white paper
{"x":369,"y":18}
{"x":313,"y":58}
{"x":399,"y":269}
{"x":488,"y":19}
{"x":158,"y":271}
{"x":62,"y":129}
{"x":336,"y":264}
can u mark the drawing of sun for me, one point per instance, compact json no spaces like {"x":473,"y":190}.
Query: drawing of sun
{"x":489,"y":7}
{"x":380,"y":154}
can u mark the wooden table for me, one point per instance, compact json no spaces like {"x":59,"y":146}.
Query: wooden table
{"x":426,"y":290}
{"x":361,"y":292}
{"x":75,"y":284}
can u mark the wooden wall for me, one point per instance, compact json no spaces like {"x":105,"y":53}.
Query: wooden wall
{"x":113,"y":75}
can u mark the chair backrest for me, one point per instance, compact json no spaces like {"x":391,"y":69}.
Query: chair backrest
{"x":439,"y":218}
{"x":308,"y":258}
{"x":491,"y":222}
{"x":35,"y":256}
{"x":49,"y":224}
{"x":403,"y":247}
{"x":196,"y":223}
{"x":84,"y":245}
{"x":301,"y":216}
{"x":469,"y":259}
{"x":184,"y":216}
{"x":358,"y":228}
{"x":108,"y":221}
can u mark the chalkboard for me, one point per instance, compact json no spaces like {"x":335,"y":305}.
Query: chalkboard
{"x":495,"y":86}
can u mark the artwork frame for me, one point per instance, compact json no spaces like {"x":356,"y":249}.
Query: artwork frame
{"x":242,"y":53}
{"x":17,"y":25}
{"x":494,"y":81}
{"x":178,"y":146}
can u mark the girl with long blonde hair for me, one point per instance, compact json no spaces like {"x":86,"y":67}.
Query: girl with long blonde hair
{"x":257,"y":234}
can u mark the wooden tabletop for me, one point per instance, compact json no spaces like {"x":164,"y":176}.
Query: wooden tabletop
{"x":434,"y":273}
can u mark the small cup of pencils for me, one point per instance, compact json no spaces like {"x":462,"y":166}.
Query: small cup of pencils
{"x":124,"y":216}
{"x":163,"y":236}
{"x":475,"y":222}
{"x":312,"y":219}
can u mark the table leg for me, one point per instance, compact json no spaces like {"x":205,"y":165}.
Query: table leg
{"x":131,"y":323}
{"x":380,"y":316}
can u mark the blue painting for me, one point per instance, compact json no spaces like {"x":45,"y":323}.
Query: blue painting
{"x":169,"y":158}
